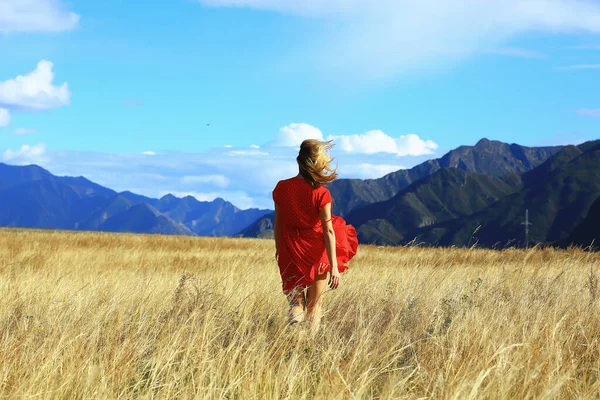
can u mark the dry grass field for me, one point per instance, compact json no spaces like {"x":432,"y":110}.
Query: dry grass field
{"x":92,"y":315}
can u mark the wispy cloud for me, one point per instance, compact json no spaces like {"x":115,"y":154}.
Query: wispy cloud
{"x":386,"y":38}
{"x":218,"y":180}
{"x":589,"y":112}
{"x":24,"y":131}
{"x":579,"y":67}
{"x":35,"y":16}
{"x":516,"y":52}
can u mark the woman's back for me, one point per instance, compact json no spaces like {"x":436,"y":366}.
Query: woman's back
{"x":299,"y":203}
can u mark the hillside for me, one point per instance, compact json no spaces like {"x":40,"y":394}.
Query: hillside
{"x":448,"y":194}
{"x":558,"y":195}
{"x":587,"y":232}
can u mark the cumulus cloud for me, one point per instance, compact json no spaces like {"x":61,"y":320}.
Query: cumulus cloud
{"x":589,"y":112}
{"x":377,"y":141}
{"x":35,"y":16}
{"x":34,"y":91}
{"x":371,"y":142}
{"x":4,"y":117}
{"x":384,"y":38}
{"x":293,"y":134}
{"x":25,"y":155}
{"x":149,"y":153}
{"x":24,"y":131}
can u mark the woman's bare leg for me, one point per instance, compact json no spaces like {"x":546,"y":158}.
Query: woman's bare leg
{"x":315,"y":301}
{"x":297,"y":303}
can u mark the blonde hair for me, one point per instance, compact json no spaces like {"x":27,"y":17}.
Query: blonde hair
{"x":313,"y":162}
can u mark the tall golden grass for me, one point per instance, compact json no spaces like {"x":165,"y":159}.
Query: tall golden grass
{"x":93,"y":315}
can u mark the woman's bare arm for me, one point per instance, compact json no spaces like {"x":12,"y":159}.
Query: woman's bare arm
{"x":276,"y":230}
{"x":329,"y":237}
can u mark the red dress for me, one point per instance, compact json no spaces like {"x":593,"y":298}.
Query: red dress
{"x":302,"y":254}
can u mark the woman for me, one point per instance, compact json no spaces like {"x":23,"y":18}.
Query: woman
{"x":309,"y":241}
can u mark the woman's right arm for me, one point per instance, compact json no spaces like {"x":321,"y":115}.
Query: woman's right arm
{"x":329,"y":237}
{"x":276,"y":230}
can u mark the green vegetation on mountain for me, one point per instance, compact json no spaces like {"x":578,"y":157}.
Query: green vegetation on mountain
{"x":446,"y":195}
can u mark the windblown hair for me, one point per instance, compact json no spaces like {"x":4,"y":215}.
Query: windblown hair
{"x":313,"y":162}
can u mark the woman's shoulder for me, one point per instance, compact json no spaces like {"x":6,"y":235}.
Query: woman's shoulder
{"x":286,"y":183}
{"x":323,"y":189}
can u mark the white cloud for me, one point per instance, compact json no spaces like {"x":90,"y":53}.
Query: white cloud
{"x":218,"y":180}
{"x":370,"y":142}
{"x":253,"y":153}
{"x":254,"y":146}
{"x":589,"y":112}
{"x":24,"y":131}
{"x":149,"y":153}
{"x":377,"y":141}
{"x":35,"y":16}
{"x":34,"y":91}
{"x":25,"y":155}
{"x":384,"y":38}
{"x":4,"y":117}
{"x":293,"y":134}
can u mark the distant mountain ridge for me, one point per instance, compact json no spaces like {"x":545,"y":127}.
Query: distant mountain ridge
{"x":487,"y":157}
{"x":558,"y":194}
{"x":32,"y":197}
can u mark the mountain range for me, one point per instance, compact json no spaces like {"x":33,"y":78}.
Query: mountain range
{"x":462,"y":208}
{"x":32,"y":197}
{"x":472,"y":195}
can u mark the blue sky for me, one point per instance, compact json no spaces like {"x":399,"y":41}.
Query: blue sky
{"x":393,"y":82}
